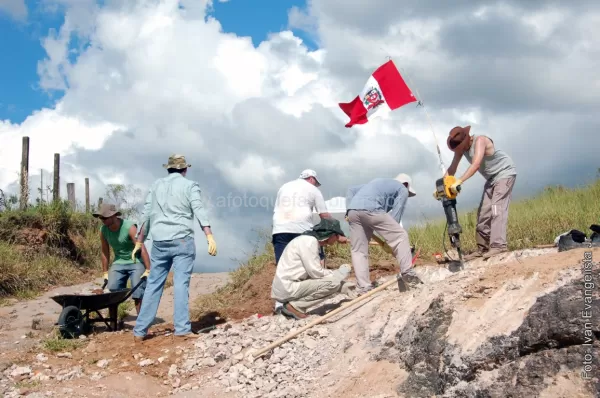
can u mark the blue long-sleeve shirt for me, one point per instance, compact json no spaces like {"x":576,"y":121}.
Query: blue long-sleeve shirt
{"x":378,"y":195}
{"x":172,"y":204}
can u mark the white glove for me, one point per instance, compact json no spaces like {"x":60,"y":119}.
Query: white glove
{"x":345,"y":269}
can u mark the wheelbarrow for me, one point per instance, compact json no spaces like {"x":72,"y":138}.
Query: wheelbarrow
{"x":74,"y":320}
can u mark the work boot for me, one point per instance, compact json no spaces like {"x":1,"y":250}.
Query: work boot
{"x":290,"y":311}
{"x":349,"y":290}
{"x":493,"y":251}
{"x":408,"y":281}
{"x":474,"y":255}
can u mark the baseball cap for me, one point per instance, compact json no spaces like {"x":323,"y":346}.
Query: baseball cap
{"x":309,"y":173}
{"x":405,"y":178}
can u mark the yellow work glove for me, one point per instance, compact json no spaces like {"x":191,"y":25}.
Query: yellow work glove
{"x":138,"y":247}
{"x":146,"y":273}
{"x":105,"y":277}
{"x":454,"y":187}
{"x":212,"y":245}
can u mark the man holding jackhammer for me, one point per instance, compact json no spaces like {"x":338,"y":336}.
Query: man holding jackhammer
{"x":171,"y":207}
{"x":500,"y":173}
{"x":377,"y":206}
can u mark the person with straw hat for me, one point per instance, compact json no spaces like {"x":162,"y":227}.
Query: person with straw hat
{"x":500,"y":174}
{"x":377,"y":207}
{"x":120,"y":235}
{"x":172,"y":204}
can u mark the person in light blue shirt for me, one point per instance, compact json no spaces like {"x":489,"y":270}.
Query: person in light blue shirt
{"x":378,"y":206}
{"x":172,"y":206}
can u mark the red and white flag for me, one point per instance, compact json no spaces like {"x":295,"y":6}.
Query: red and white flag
{"x":385,"y":90}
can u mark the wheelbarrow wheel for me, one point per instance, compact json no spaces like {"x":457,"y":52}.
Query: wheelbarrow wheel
{"x":71,"y":322}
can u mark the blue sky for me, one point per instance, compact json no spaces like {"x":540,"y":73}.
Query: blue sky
{"x":21,"y":43}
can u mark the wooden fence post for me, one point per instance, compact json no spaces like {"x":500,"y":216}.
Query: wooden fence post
{"x":24,"y":174}
{"x":71,"y":194}
{"x":56,"y":187}
{"x":87,"y":195}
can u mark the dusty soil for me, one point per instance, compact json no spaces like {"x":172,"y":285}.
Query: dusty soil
{"x":255,"y":296}
{"x":392,"y":342}
{"x":22,"y":322}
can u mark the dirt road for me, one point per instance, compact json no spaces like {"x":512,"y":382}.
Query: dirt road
{"x":28,"y":318}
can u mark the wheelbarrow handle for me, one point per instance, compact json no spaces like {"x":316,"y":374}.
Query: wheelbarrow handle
{"x":105,"y":283}
{"x":135,"y":287}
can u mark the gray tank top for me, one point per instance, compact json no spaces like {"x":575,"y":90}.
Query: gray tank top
{"x":495,"y":167}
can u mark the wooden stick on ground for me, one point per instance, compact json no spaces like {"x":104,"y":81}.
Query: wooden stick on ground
{"x":321,"y":319}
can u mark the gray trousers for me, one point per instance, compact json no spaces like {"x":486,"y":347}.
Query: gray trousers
{"x":492,"y":215}
{"x":314,"y":291}
{"x":362,"y":225}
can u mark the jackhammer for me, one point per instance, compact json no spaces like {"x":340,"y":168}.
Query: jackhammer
{"x":448,"y":199}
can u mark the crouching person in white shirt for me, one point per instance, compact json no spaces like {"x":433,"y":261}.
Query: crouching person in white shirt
{"x":300,"y":280}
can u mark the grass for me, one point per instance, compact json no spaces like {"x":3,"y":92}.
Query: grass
{"x":45,"y":245}
{"x":531,"y":222}
{"x":55,"y":343}
{"x":534,"y":221}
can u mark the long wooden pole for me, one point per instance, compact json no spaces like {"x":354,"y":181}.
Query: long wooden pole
{"x":24,"y":174}
{"x":71,"y":194}
{"x":56,"y":176}
{"x":87,"y":195}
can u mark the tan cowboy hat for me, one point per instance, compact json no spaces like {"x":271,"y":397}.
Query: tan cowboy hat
{"x":177,"y":162}
{"x":459,"y":138}
{"x":106,"y":210}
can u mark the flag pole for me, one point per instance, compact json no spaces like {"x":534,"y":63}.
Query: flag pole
{"x":420,"y":102}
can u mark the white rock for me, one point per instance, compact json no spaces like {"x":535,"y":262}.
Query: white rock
{"x":146,"y":362}
{"x":162,"y":359}
{"x":20,"y":371}
{"x":64,"y":355}
{"x":209,"y":362}
{"x":103,"y":363}
{"x":173,"y":371}
{"x":41,"y":358}
{"x":311,"y":344}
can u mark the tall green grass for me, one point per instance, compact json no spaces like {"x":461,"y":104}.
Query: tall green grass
{"x":533,"y":221}
{"x":45,"y":245}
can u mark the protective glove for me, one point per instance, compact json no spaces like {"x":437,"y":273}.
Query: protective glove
{"x":454,"y":187}
{"x":345,"y":269}
{"x":146,"y":273}
{"x":105,"y":277}
{"x":435,"y":195}
{"x":212,"y":245}
{"x":138,"y":247}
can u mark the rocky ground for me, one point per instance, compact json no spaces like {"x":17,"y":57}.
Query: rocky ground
{"x":523,"y":324}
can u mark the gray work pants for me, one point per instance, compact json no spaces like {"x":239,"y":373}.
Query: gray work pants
{"x":314,"y":291}
{"x":492,"y":215}
{"x":362,"y":225}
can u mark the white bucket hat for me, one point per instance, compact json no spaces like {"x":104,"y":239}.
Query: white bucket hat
{"x":309,"y":173}
{"x":405,"y":178}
